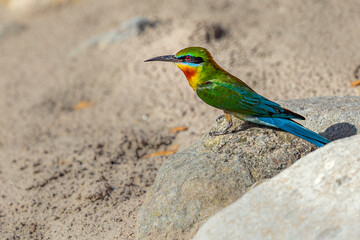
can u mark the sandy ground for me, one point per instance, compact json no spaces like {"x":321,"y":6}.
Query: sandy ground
{"x":81,"y":171}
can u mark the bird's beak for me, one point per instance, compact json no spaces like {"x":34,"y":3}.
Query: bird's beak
{"x":166,"y":58}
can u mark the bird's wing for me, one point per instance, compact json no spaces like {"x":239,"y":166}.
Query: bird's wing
{"x":239,"y":98}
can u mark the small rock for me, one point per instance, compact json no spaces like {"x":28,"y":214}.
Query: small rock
{"x":133,"y":27}
{"x":214,"y":32}
{"x":207,"y":33}
{"x":11,"y":29}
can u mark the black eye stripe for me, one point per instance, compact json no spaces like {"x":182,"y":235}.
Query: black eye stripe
{"x":196,"y":60}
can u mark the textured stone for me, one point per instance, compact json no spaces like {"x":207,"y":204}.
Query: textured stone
{"x":316,"y":198}
{"x":196,"y":183}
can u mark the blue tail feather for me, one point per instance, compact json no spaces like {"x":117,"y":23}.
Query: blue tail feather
{"x":294,"y":128}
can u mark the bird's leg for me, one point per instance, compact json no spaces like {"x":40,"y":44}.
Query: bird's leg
{"x":228,"y":119}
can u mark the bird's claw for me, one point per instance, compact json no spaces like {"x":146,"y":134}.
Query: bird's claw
{"x":219,"y":133}
{"x":213,"y":134}
{"x":228,"y":126}
{"x":220,"y":117}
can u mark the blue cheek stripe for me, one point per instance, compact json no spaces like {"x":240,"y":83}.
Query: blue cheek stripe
{"x":191,"y":64}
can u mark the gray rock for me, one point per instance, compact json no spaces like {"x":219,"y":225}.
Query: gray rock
{"x":11,"y":29}
{"x":193,"y":185}
{"x":316,"y":198}
{"x":133,"y":27}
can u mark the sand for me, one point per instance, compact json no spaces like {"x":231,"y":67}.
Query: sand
{"x":81,"y":171}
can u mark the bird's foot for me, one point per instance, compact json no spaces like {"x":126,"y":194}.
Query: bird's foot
{"x":228,"y":126}
{"x":220,"y":117}
{"x":213,"y":134}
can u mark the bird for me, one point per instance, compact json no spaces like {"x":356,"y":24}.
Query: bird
{"x":220,"y":89}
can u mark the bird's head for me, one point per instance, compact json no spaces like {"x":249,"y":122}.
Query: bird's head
{"x":191,"y":56}
{"x":191,"y":61}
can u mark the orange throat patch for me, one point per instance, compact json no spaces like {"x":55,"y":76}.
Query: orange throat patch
{"x":191,"y":74}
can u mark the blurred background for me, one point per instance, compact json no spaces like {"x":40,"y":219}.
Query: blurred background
{"x":57,"y":53}
{"x":76,"y":94}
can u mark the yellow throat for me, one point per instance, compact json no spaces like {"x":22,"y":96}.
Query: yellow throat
{"x":191,"y":74}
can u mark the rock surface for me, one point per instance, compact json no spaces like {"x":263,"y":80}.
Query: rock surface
{"x":316,"y":198}
{"x":195,"y":184}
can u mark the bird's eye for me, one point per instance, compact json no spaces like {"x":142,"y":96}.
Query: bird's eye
{"x":187,"y":57}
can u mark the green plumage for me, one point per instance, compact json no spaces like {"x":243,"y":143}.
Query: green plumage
{"x":237,"y":97}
